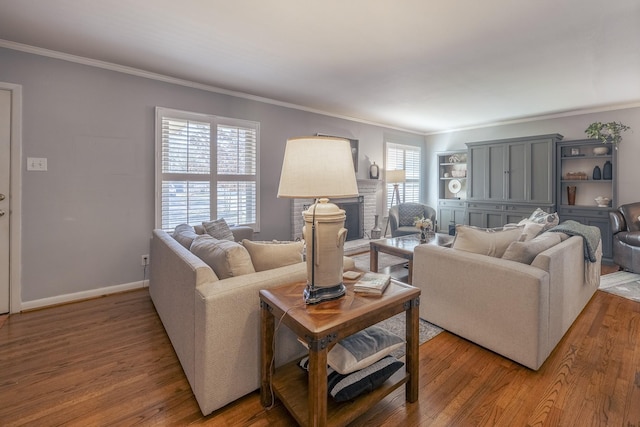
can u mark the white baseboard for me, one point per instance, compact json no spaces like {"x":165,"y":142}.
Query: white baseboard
{"x":78,"y":296}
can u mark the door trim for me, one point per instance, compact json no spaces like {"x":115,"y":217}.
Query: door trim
{"x":15,"y":203}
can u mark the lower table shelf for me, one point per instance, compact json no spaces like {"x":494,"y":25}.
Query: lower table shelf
{"x":290,"y":385}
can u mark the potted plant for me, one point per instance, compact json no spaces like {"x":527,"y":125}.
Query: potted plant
{"x":607,"y":132}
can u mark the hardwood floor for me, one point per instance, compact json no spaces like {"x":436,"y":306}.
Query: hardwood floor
{"x":108,"y":361}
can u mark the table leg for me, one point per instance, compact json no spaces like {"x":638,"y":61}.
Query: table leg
{"x":267,"y":325}
{"x":410,"y":273}
{"x":373,"y":259}
{"x":318,"y":387}
{"x":412,"y":359}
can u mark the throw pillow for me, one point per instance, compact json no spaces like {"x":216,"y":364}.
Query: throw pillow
{"x":270,"y":255}
{"x":218,"y":229}
{"x":363,"y":348}
{"x":485,"y":241}
{"x":347,"y":387}
{"x":407,"y":213}
{"x":525,"y":252}
{"x":184,"y":234}
{"x":227,"y":259}
{"x":539,"y":216}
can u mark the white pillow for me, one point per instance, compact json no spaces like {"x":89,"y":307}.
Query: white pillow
{"x":363,"y":348}
{"x":525,"y":252}
{"x":227,"y":259}
{"x":270,"y":255}
{"x":485,"y":241}
{"x":539,"y":216}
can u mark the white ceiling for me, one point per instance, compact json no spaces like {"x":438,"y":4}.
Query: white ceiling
{"x":419,"y":65}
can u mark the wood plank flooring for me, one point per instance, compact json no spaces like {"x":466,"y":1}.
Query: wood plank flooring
{"x":108,"y":361}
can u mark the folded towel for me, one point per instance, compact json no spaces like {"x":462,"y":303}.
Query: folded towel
{"x":590,"y":235}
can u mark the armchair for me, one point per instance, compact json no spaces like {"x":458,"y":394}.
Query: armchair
{"x":625,"y":226}
{"x":402,"y":216}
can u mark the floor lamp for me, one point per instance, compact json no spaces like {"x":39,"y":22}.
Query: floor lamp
{"x":394,"y":177}
{"x":320,"y":168}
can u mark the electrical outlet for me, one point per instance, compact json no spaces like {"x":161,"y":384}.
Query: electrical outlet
{"x":144,"y":260}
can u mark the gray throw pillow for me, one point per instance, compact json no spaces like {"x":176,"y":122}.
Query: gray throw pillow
{"x":218,"y":229}
{"x":526,"y":252}
{"x":408,"y":212}
{"x":184,"y":234}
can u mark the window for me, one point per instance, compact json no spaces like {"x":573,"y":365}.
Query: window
{"x":207,"y":168}
{"x":407,"y":157}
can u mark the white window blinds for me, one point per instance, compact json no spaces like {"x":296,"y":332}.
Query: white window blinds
{"x":407,"y":158}
{"x":207,"y":168}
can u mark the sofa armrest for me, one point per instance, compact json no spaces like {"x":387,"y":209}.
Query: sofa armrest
{"x":241,"y":232}
{"x":616,"y":222}
{"x":499,"y":304}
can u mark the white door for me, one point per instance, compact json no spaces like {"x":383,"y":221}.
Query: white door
{"x":5,"y":161}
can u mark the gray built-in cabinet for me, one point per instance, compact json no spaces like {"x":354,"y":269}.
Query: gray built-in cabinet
{"x":575,"y":167}
{"x":510,"y":178}
{"x":452,"y":189}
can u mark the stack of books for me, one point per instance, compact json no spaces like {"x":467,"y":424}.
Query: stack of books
{"x":372,"y":283}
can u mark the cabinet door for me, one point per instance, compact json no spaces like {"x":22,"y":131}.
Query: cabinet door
{"x":516,"y":171}
{"x":541,"y":175}
{"x":476,"y":218}
{"x":496,"y":172}
{"x":445,"y":216}
{"x":605,"y":235}
{"x":478,"y":164}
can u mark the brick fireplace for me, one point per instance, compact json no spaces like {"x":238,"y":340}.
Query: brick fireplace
{"x":367,"y":189}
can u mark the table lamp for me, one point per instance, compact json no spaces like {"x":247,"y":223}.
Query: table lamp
{"x":320,"y":168}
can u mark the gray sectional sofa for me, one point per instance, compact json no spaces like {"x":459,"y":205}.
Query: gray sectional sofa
{"x":213,"y":323}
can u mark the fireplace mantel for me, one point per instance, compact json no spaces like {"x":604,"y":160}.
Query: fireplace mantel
{"x":367,"y":188}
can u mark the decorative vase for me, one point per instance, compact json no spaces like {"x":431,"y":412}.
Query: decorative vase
{"x":375,"y":231}
{"x":374,"y":171}
{"x":423,"y":235}
{"x":607,"y":172}
{"x":597,"y":173}
{"x":571,"y":194}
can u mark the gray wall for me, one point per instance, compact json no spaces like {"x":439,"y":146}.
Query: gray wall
{"x":88,"y":219}
{"x":571,"y":127}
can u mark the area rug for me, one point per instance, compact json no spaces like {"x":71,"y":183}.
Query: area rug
{"x":396,"y":325}
{"x":622,"y":283}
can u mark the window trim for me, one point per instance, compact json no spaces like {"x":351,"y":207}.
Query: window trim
{"x":387,"y":191}
{"x":214,"y":121}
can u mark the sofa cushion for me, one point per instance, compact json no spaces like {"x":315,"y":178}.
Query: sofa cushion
{"x":218,"y":229}
{"x":525,"y":252}
{"x":184,"y":234}
{"x":347,"y":387}
{"x":408,"y":212}
{"x":363,"y":348}
{"x":226,"y":258}
{"x":270,"y":255}
{"x":485,"y":241}
{"x":539,"y":216}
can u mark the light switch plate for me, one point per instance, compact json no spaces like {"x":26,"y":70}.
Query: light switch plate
{"x":36,"y":163}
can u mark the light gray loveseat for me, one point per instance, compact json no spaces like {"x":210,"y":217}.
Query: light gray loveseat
{"x":213,"y":324}
{"x":517,"y":310}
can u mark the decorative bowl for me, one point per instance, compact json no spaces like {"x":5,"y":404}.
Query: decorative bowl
{"x":602,"y":202}
{"x":599,"y":151}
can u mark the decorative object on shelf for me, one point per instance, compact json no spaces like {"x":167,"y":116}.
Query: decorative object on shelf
{"x":459,"y":173}
{"x":575,"y":151}
{"x":607,"y":133}
{"x":600,"y":151}
{"x":576,"y":176}
{"x":571,"y":194}
{"x":374,"y":171}
{"x":375,"y":231}
{"x":607,"y":170}
{"x":603,"y":202}
{"x":455,"y":186}
{"x":597,"y":173}
{"x":425,"y":225}
{"x":320,"y":168}
{"x":454,"y":158}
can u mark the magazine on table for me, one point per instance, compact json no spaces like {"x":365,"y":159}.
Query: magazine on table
{"x":372,"y":283}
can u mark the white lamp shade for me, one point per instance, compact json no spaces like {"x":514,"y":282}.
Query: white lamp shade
{"x":317,"y":167}
{"x":395,"y":176}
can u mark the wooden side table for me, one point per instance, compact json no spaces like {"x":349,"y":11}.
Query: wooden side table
{"x":322,"y":326}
